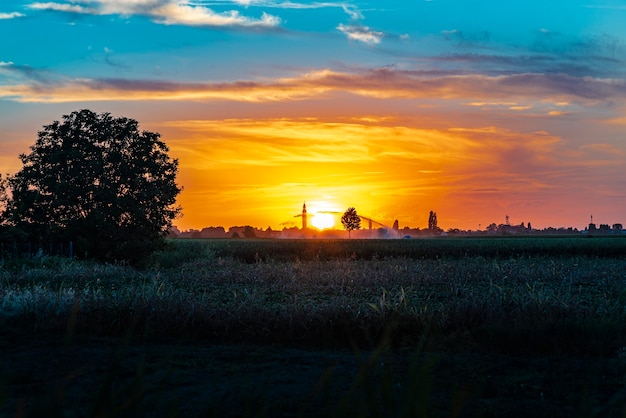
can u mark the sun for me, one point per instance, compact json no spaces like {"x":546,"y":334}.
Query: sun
{"x":323,"y":220}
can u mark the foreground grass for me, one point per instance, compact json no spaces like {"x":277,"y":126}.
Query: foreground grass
{"x":531,"y":304}
{"x":472,"y":311}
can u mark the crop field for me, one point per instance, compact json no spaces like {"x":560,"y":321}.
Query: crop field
{"x":502,"y":326}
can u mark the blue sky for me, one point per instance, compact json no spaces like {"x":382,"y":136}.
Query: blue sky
{"x":484,"y":108}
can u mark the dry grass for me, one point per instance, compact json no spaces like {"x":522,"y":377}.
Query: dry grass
{"x":438,"y":328}
{"x":537,"y":304}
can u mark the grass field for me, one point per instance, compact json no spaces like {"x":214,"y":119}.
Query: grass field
{"x":531,"y":326}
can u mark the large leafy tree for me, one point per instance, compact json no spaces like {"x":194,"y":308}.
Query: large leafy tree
{"x":351,"y":220}
{"x":98,"y":181}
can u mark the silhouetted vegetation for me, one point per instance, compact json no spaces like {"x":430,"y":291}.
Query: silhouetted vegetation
{"x":351,"y":220}
{"x":96,"y":182}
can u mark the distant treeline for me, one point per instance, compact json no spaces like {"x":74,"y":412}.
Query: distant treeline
{"x":406,"y":232}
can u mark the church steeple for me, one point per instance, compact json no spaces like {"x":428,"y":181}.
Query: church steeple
{"x":304,"y":215}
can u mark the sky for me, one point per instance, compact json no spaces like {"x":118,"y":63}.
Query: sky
{"x":476,"y":110}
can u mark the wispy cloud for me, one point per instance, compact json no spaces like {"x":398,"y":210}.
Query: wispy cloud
{"x":169,"y":12}
{"x":26,"y":74}
{"x":278,"y":142}
{"x":614,"y":7}
{"x":349,"y":9}
{"x":482,"y":52}
{"x":361,"y":34}
{"x":465,"y":39}
{"x":604,"y":46}
{"x":12,"y":15}
{"x":353,"y":12}
{"x":378,"y":83}
{"x":274,"y":142}
{"x":63,"y":7}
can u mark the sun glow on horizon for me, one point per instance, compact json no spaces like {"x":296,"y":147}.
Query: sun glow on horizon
{"x":399,"y":172}
{"x":323,"y":220}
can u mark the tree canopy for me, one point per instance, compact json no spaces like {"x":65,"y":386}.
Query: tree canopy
{"x":98,"y":181}
{"x":351,"y":220}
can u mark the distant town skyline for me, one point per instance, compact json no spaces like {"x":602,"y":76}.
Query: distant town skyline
{"x":327,"y":222}
{"x":475,"y":110}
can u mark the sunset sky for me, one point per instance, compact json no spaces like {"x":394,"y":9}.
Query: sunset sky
{"x":473,"y":109}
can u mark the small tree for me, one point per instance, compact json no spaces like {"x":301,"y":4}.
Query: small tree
{"x":432,"y":221}
{"x":99,"y":182}
{"x":249,"y":232}
{"x":351,"y":220}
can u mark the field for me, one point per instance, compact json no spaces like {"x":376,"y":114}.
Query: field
{"x":529,"y":326}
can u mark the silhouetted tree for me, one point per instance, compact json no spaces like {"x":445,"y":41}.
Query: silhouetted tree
{"x":249,"y":232}
{"x":351,"y":220}
{"x":432,"y":221}
{"x":98,"y":181}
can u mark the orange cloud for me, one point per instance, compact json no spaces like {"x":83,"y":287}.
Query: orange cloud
{"x":396,"y":144}
{"x":380,"y":83}
{"x":262,"y":169}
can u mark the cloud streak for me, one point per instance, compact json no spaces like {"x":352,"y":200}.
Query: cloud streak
{"x":379,"y":83}
{"x":13,"y":73}
{"x":451,"y":154}
{"x":167,"y":12}
{"x":349,"y":9}
{"x":361,"y":33}
{"x":12,"y":15}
